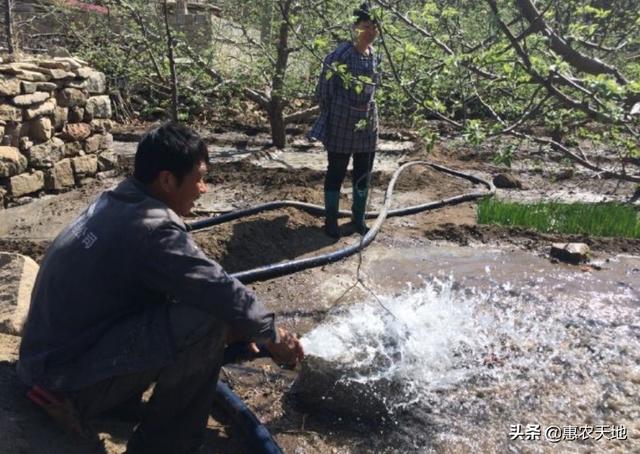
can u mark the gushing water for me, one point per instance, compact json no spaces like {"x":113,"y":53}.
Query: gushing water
{"x":427,"y":338}
{"x":472,"y":361}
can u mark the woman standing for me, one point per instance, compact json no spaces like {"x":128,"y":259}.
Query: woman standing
{"x":348,"y":121}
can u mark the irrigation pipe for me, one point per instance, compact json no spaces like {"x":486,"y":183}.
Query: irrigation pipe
{"x":293,"y":266}
{"x":258,"y":438}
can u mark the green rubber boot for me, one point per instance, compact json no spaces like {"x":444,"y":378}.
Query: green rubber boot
{"x":331,"y":205}
{"x":358,"y":210}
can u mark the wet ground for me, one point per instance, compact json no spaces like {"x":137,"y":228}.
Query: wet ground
{"x":511,"y":265}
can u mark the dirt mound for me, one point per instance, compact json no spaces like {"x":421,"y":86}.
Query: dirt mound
{"x":244,"y":171}
{"x":264,"y":239}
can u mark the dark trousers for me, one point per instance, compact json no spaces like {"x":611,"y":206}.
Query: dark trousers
{"x":174,"y":420}
{"x":337,"y":169}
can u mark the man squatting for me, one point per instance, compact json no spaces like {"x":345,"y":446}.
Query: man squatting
{"x":124,"y":298}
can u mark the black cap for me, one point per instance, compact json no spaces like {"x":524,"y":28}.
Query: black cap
{"x":362,"y":14}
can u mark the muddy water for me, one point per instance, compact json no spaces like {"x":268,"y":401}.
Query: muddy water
{"x":491,"y":345}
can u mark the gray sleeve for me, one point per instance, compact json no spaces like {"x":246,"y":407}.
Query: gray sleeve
{"x":175,"y":266}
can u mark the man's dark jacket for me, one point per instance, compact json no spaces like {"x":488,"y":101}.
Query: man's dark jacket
{"x":101,"y":300}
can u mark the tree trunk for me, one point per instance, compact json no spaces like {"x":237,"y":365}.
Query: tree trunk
{"x":276,"y":104}
{"x":277,"y":123}
{"x":172,"y":65}
{"x":8,"y":24}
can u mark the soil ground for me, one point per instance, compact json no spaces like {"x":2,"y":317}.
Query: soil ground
{"x":244,"y":172}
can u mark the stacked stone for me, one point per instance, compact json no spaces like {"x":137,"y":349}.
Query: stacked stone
{"x":54,"y":126}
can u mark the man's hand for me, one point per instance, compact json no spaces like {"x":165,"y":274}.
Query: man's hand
{"x":288,"y":351}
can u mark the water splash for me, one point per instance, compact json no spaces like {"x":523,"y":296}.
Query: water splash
{"x":561,"y":350}
{"x":431,"y":338}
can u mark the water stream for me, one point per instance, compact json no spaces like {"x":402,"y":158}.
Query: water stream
{"x":495,"y":352}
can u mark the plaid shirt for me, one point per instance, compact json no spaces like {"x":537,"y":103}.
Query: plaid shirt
{"x":348,"y":121}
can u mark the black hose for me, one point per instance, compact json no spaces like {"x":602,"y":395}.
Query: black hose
{"x":257,"y":436}
{"x":289,"y":267}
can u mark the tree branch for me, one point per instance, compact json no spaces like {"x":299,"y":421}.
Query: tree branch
{"x":559,"y":45}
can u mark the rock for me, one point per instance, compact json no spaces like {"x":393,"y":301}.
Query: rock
{"x":25,"y":145}
{"x":101,"y":125}
{"x":56,"y":74}
{"x":55,"y":64}
{"x":98,"y":142}
{"x":46,"y":86}
{"x":3,"y":194}
{"x":83,"y":72}
{"x":10,"y":113}
{"x":9,"y":86}
{"x":107,"y":141}
{"x":81,"y":84}
{"x":72,"y":149}
{"x":321,"y":385}
{"x":85,"y":165}
{"x":46,"y":154}
{"x":76,"y":114}
{"x":107,"y":160}
{"x":97,"y":107}
{"x":46,"y":108}
{"x":571,"y":252}
{"x":70,"y":97}
{"x":72,"y":62}
{"x":40,"y":129}
{"x":29,"y":87}
{"x":60,"y":176}
{"x":33,"y":76}
{"x":28,"y":100}
{"x":92,"y":144}
{"x":1,"y":133}
{"x":26,"y":183}
{"x":107,"y":174}
{"x":25,"y":66}
{"x":10,"y":69}
{"x":507,"y":181}
{"x":96,"y":83}
{"x":60,"y":117}
{"x":17,"y":278}
{"x":12,"y":162}
{"x":76,"y":131}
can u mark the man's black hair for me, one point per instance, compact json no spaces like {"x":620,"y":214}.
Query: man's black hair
{"x":362,"y":14}
{"x":173,"y":147}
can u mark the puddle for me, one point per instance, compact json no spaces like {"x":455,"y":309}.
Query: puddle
{"x":478,"y":341}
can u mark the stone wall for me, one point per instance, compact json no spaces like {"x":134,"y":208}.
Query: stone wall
{"x":55,"y":120}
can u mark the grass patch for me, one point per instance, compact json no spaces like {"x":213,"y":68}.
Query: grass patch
{"x":595,"y":219}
